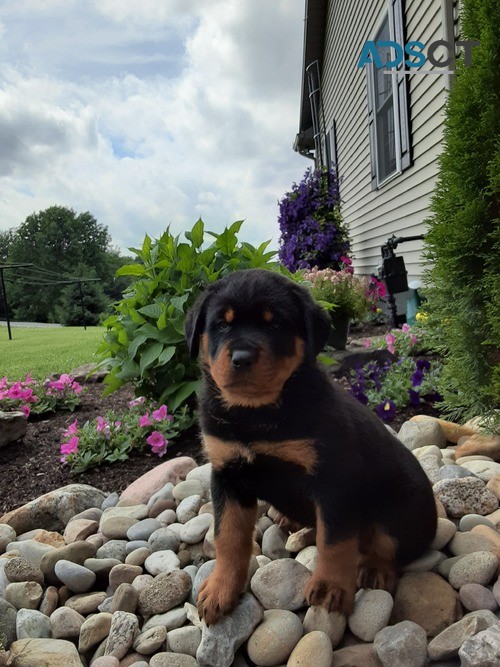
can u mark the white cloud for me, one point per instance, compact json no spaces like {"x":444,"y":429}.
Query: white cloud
{"x":143,"y":129}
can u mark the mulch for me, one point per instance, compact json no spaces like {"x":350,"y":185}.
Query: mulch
{"x":32,"y":467}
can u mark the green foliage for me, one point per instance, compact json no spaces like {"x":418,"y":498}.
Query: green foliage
{"x":145,"y":343}
{"x":463,"y":239}
{"x":66,"y":243}
{"x":69,"y":305}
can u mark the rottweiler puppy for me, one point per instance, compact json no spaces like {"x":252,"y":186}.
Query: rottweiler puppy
{"x":276,"y":428}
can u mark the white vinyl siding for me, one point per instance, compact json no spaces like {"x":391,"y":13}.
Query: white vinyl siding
{"x":401,"y":205}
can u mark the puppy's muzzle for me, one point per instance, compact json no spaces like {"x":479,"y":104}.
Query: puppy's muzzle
{"x":243,"y":359}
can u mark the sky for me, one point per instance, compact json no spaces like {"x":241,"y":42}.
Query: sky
{"x":150,"y":113}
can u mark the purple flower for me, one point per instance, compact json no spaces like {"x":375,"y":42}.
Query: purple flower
{"x":416,"y":378}
{"x":414,"y":397}
{"x":423,"y":364}
{"x":386,"y":410}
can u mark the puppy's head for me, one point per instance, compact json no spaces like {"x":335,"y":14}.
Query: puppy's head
{"x":255,"y":328}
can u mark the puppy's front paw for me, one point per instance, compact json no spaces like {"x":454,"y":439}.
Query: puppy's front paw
{"x":331,"y":594}
{"x":216,"y":598}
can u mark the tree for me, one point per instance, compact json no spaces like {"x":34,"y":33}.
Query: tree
{"x":6,"y":239}
{"x":463,"y":239}
{"x":56,"y":239}
{"x":69,"y":305}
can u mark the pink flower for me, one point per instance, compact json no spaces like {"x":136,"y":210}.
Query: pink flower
{"x":144,"y":420}
{"x":102,"y":424}
{"x":390,"y":339}
{"x":413,"y":340}
{"x":3,"y":382}
{"x":158,"y":443}
{"x":161,"y":414}
{"x":69,"y":447}
{"x":71,"y":430}
{"x":77,"y":388}
{"x":405,"y":328}
{"x":28,"y":379}
{"x":367,"y":343}
{"x":15,"y":392}
{"x":26,"y":410}
{"x":137,"y":401}
{"x":117,"y":425}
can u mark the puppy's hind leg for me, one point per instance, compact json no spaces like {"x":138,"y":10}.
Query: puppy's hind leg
{"x":377,"y":567}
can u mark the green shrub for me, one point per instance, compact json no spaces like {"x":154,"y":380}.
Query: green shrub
{"x":145,"y":343}
{"x":463,"y":239}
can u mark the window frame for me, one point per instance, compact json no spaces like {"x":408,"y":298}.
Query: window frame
{"x":394,"y":16}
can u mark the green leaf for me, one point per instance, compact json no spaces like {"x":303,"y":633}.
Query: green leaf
{"x":131,"y":270}
{"x":166,"y":355}
{"x":197,"y":233}
{"x":149,"y":356}
{"x":152,"y":310}
{"x":184,"y":391}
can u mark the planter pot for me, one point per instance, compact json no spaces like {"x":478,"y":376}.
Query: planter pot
{"x":339,"y":330}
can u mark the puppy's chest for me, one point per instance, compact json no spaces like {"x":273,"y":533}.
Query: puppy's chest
{"x":300,"y":452}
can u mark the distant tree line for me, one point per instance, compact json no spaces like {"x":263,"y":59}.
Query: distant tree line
{"x":62,"y":245}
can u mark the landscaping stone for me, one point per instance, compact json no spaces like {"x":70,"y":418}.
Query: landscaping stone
{"x":220,"y":641}
{"x":173,"y":471}
{"x":482,"y":650}
{"x":13,"y":427}
{"x":428,"y":600}
{"x":280,"y":585}
{"x":372,"y":610}
{"x":479,"y":443}
{"x":401,"y":645}
{"x":447,"y":644}
{"x":272,"y":642}
{"x":451,"y":431}
{"x":53,"y":510}
{"x":44,"y":653}
{"x":144,"y":572}
{"x":332,"y":623}
{"x":313,"y":649}
{"x":485,"y":470}
{"x":476,"y":568}
{"x":475,"y":597}
{"x":419,"y":434}
{"x":465,"y":496}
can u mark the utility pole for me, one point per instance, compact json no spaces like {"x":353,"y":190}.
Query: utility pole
{"x":4,"y":291}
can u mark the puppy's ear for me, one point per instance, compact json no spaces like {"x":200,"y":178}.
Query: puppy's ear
{"x":317,"y":322}
{"x":195,"y":323}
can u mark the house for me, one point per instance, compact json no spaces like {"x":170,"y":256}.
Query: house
{"x":380,"y":124}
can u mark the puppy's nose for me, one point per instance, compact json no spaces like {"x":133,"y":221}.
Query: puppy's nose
{"x":243,"y":359}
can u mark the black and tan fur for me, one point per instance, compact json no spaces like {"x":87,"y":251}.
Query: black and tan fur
{"x":275,"y":428}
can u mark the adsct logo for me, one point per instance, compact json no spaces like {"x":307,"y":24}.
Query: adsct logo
{"x":389,"y":55}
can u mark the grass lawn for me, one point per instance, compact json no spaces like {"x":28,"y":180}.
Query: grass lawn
{"x":42,"y":352}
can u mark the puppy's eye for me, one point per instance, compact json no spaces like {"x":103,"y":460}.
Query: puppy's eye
{"x":222,"y":325}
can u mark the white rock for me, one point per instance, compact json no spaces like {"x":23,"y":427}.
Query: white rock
{"x":308,"y":557}
{"x":274,"y":639}
{"x":372,"y":611}
{"x":32,"y":623}
{"x":161,"y":561}
{"x":483,"y":469}
{"x":482,"y":650}
{"x":195,"y":529}
{"x":420,"y":434}
{"x":280,"y":585}
{"x":313,"y":649}
{"x":188,"y":508}
{"x":475,"y":568}
{"x":332,"y":623}
{"x":446,"y":529}
{"x":401,"y":645}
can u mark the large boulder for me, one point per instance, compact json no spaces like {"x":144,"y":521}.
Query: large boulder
{"x":53,"y":510}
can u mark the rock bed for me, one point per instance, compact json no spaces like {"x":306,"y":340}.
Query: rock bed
{"x":88,"y":578}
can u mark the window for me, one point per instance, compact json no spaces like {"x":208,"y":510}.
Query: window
{"x":388,"y":114}
{"x":331,"y":148}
